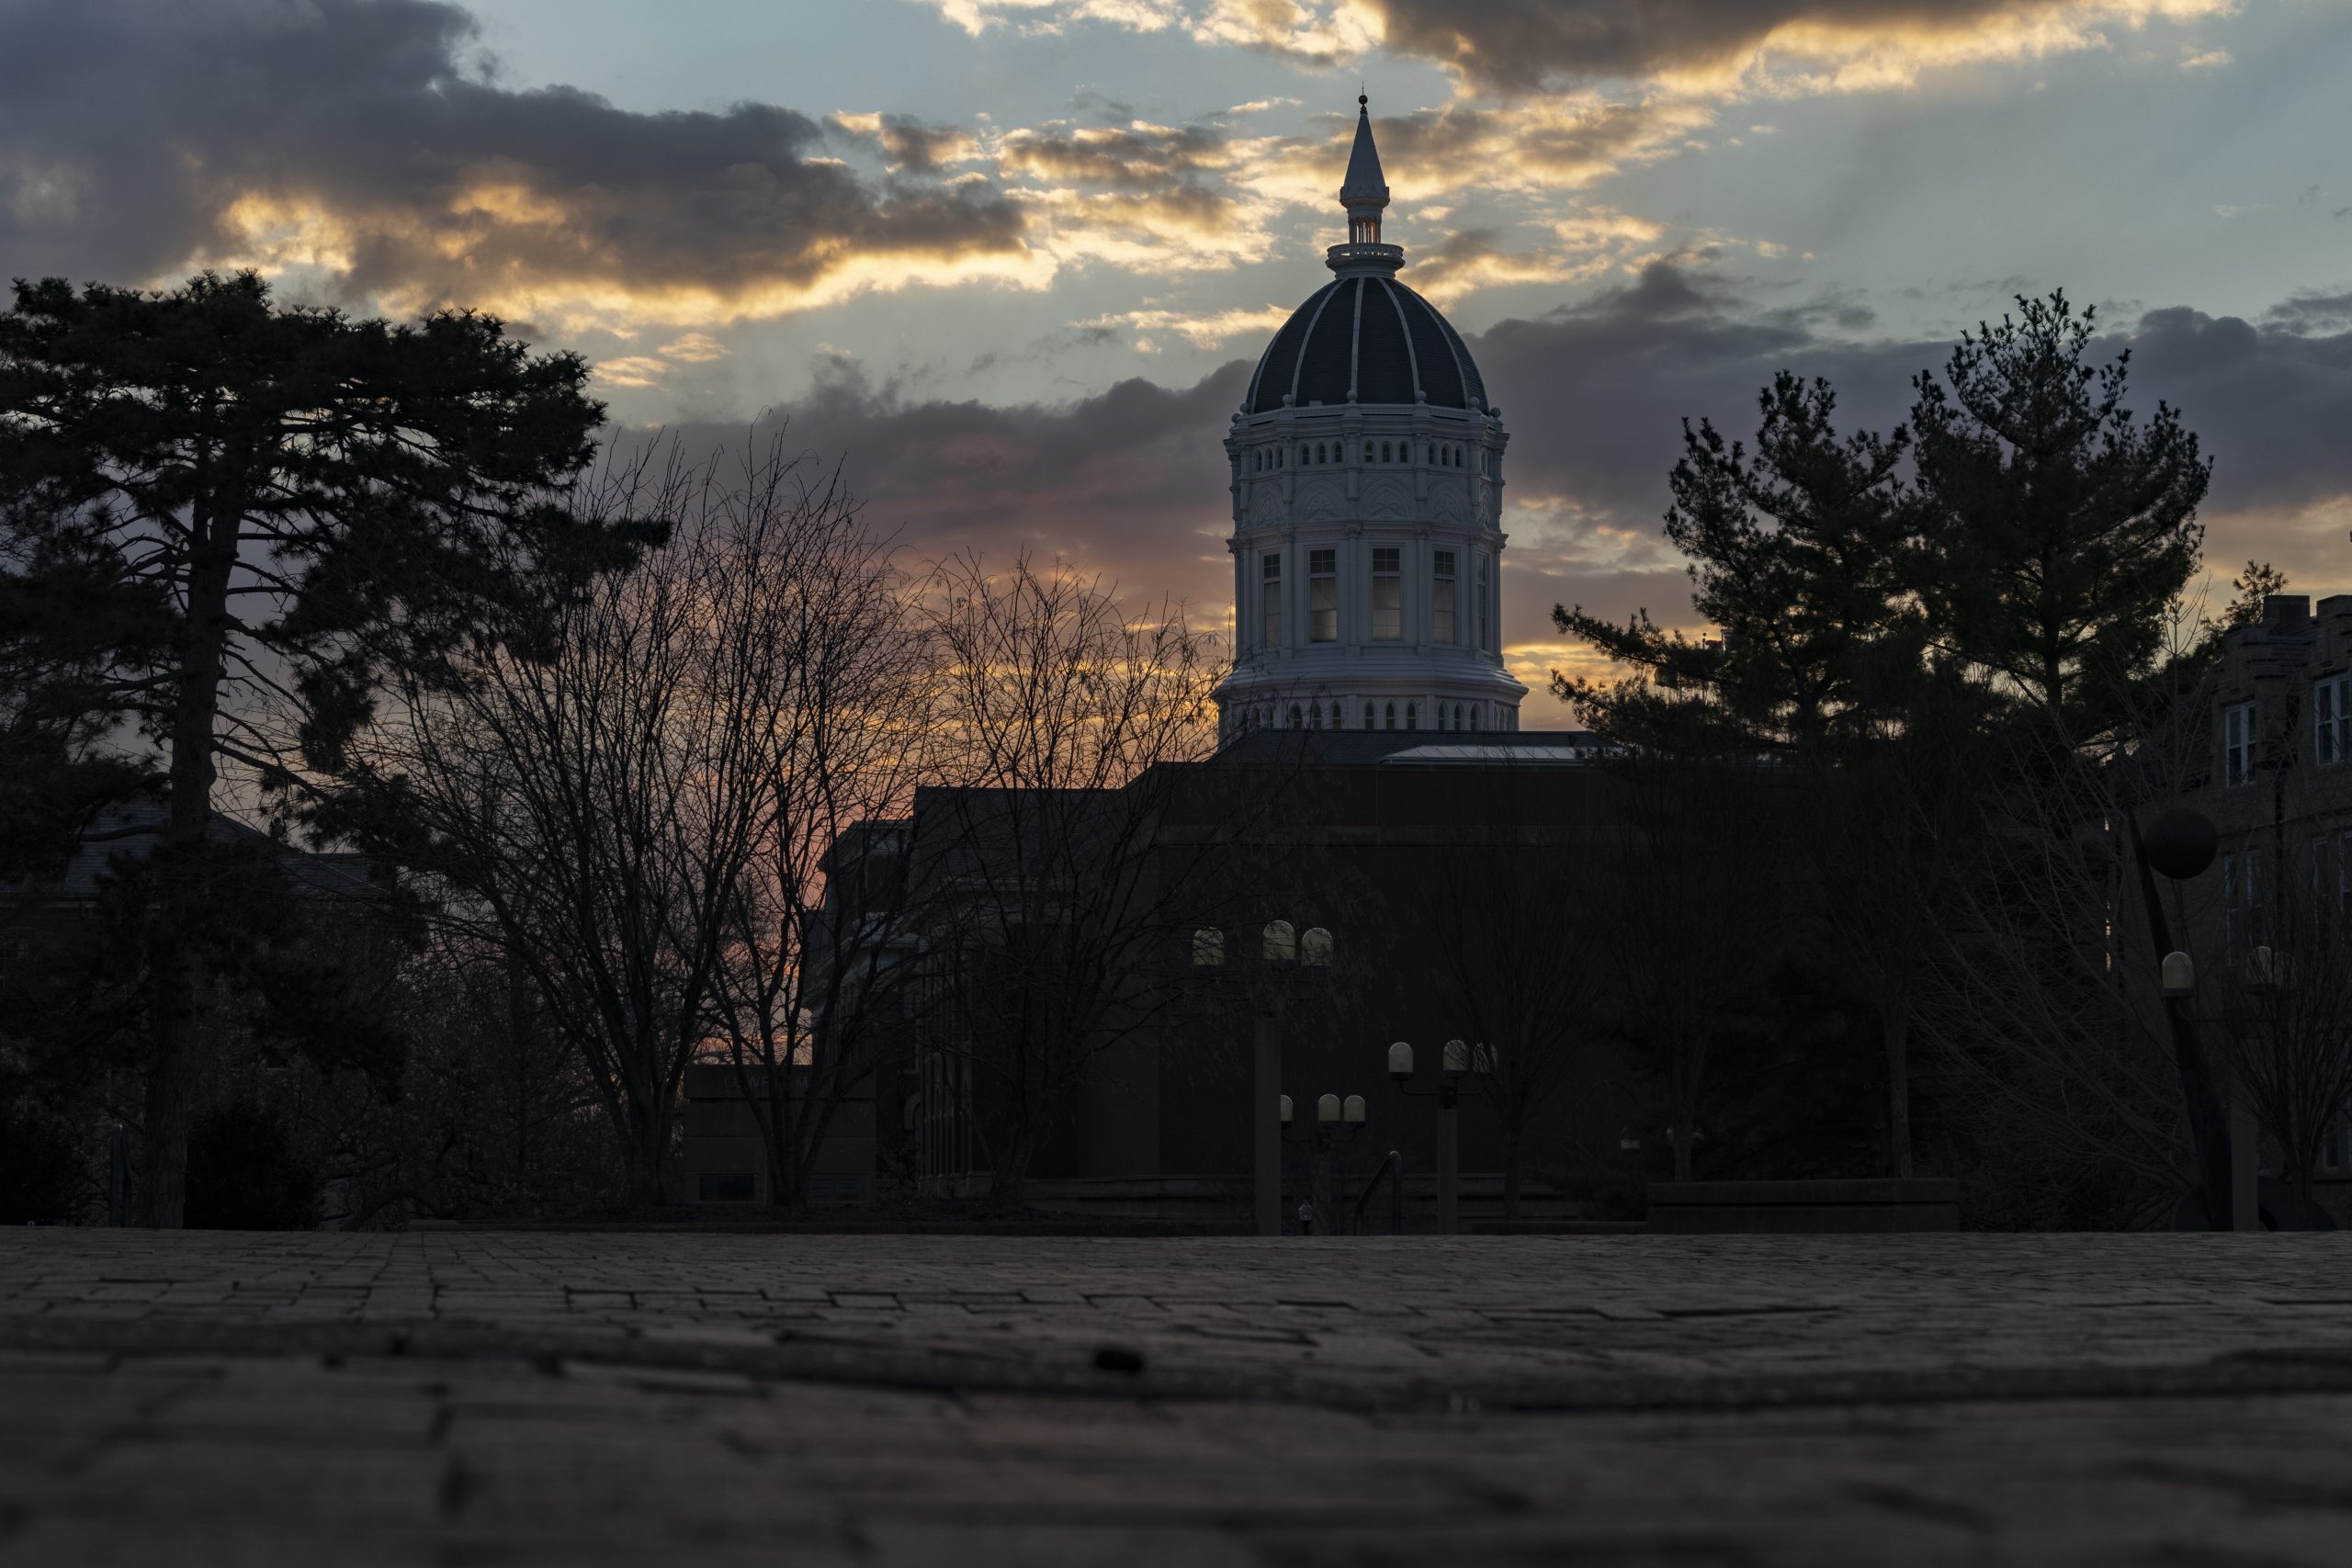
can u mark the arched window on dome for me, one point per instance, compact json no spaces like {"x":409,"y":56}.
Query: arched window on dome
{"x":1440,"y":716}
{"x":1315,"y":716}
{"x":1474,"y":718}
{"x":1392,"y":717}
{"x":1294,"y":722}
{"x":1412,"y":716}
{"x":1335,"y":716}
{"x":1371,"y":717}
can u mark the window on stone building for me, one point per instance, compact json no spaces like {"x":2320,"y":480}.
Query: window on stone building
{"x":1483,"y":644}
{"x":2237,"y":743}
{"x":2330,"y":720}
{"x":1371,"y":717}
{"x":1323,"y":595}
{"x":1270,"y":598}
{"x":1388,"y":594}
{"x":1441,"y":597}
{"x":1392,"y":717}
{"x":1412,"y":716}
{"x":1473,"y":717}
{"x":1387,"y":452}
{"x":1295,"y":721}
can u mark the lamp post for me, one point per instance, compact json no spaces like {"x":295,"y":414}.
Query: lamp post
{"x":1454,"y":1064}
{"x":1331,"y":1113}
{"x":2179,"y":844}
{"x":1284,"y":953}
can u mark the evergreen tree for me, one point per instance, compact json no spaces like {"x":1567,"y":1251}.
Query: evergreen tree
{"x":2062,"y":529}
{"x":1799,"y":553}
{"x":206,"y":498}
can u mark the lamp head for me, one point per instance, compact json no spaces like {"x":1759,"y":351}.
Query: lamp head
{"x":2179,"y":975}
{"x":1286,"y":1111}
{"x":1326,"y":1110}
{"x":1352,"y":1111}
{"x":1400,"y":1062}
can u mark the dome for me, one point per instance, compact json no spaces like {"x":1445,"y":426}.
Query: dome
{"x":1366,"y":339}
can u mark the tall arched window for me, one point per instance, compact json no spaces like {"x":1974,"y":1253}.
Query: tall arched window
{"x":1412,"y":716}
{"x":1318,"y":451}
{"x":1392,"y":717}
{"x":1335,"y":716}
{"x":1386,"y":452}
{"x":1473,"y":717}
{"x":1371,"y":717}
{"x":1293,"y":715}
{"x":1440,"y":716}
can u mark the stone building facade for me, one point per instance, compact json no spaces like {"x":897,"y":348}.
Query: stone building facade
{"x":2264,"y":749}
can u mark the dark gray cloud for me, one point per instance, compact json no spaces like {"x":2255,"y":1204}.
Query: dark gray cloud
{"x":1133,"y":482}
{"x":137,"y":136}
{"x":1521,"y":44}
{"x":1130,"y":482}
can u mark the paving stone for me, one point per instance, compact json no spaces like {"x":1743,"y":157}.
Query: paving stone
{"x":608,"y":1398}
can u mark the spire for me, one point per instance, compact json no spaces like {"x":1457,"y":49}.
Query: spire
{"x":1363,"y":185}
{"x":1363,"y":193}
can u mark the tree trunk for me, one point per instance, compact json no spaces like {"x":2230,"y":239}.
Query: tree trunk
{"x":175,"y":1030}
{"x":1868,"y":1045}
{"x":1897,"y":1025}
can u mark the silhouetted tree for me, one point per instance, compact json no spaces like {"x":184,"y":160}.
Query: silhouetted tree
{"x":282,"y":502}
{"x":2060,"y":528}
{"x":1054,"y":920}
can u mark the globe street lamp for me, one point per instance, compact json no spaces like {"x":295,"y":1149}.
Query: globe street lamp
{"x":1456,"y":1063}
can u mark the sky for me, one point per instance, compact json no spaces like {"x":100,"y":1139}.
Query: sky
{"x":1008,"y":262}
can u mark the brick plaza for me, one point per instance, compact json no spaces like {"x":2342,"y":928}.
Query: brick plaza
{"x":630,"y":1396}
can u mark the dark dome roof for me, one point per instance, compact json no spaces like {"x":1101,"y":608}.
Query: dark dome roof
{"x":1370,"y":336}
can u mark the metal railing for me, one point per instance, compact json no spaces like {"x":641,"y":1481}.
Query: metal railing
{"x":1392,"y":1171}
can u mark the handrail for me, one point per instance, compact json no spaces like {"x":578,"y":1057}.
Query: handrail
{"x":1392,"y":1171}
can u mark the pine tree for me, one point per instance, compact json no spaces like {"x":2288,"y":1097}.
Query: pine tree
{"x":2063,"y":529}
{"x":229,"y":500}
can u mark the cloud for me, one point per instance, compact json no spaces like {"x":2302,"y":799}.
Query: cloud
{"x":1133,"y":482}
{"x":355,"y":143}
{"x":1130,"y":481}
{"x":912,"y":143}
{"x":1722,"y":45}
{"x":1202,"y":329}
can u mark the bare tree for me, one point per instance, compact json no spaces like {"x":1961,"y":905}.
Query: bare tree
{"x":1519,"y":949}
{"x":798,"y":997}
{"x":592,"y":798}
{"x":1693,"y":897}
{"x":1054,"y":915}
